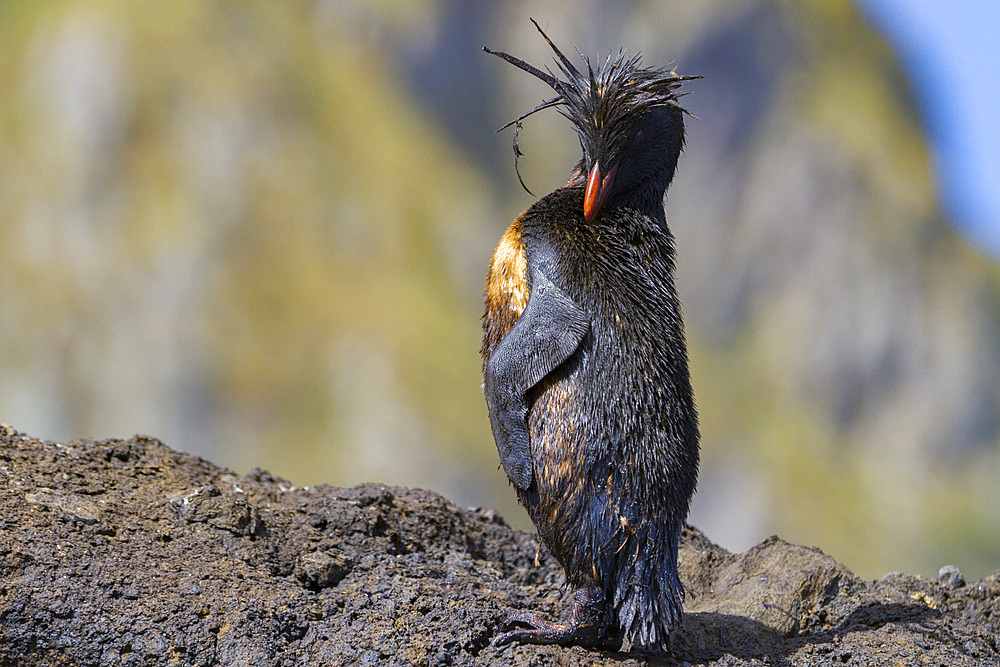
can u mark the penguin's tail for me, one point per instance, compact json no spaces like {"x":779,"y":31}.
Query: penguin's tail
{"x":644,"y":589}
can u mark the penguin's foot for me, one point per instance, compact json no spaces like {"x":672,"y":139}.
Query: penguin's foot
{"x":587,"y":627}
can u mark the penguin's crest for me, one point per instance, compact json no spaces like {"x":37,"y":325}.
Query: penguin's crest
{"x":602,"y":104}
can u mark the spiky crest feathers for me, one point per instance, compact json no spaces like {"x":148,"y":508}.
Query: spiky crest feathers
{"x":602,"y":105}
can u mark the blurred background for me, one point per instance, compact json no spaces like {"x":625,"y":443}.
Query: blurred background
{"x":260,"y":231}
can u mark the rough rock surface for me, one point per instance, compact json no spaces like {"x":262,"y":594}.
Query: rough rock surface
{"x":129,"y":553}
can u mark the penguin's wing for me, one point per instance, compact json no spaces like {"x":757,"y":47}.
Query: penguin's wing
{"x":547,"y":333}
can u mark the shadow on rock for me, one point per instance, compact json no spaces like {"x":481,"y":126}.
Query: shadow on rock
{"x":708,"y":636}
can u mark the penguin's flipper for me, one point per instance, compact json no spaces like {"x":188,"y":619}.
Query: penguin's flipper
{"x":547,"y":333}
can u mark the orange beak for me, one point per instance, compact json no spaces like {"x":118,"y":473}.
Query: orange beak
{"x":597,"y":191}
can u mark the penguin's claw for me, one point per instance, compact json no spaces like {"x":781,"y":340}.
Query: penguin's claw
{"x":542,"y":631}
{"x":588,"y":627}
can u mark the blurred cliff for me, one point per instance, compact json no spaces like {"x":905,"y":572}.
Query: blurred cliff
{"x":267,"y":224}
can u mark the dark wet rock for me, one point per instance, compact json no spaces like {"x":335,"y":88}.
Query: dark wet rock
{"x":126,"y":552}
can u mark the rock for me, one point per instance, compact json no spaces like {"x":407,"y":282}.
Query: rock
{"x":951,"y":577}
{"x":126,"y":552}
{"x":775,"y":584}
{"x":223,"y":510}
{"x":76,"y":507}
{"x":320,"y":569}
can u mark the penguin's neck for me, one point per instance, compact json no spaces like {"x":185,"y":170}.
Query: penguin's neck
{"x":647,"y":195}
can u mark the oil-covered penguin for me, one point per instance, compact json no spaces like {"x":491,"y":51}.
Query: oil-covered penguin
{"x":585,"y":365}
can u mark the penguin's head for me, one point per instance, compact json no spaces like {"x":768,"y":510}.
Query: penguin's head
{"x":627,"y":118}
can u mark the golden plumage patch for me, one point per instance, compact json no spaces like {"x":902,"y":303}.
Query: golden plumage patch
{"x":506,"y":288}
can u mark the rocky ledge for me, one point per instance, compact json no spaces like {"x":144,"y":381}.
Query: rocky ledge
{"x":125,"y":552}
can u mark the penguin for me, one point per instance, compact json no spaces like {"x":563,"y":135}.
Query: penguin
{"x":585,"y":368}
